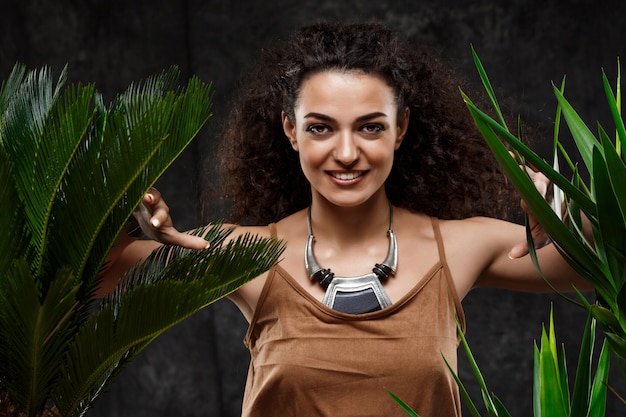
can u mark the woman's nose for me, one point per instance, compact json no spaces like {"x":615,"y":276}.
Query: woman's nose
{"x":347,"y":150}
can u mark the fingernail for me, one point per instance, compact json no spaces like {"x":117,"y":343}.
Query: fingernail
{"x":150,"y":198}
{"x":154,"y":223}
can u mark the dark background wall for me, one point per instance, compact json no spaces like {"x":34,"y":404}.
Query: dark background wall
{"x":199,"y":367}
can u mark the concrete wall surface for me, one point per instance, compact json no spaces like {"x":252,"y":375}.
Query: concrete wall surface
{"x":199,"y":367}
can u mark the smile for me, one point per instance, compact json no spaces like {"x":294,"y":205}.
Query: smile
{"x":346,"y":176}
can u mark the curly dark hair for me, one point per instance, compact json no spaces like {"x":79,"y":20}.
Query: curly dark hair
{"x":443,"y":167}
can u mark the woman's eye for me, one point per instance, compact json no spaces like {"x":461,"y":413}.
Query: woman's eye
{"x":317,"y":129}
{"x":373,"y":128}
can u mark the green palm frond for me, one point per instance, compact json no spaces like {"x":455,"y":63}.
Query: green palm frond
{"x":11,"y":223}
{"x":71,"y":173}
{"x":34,"y":334}
{"x":190,"y":111}
{"x":27,"y":105}
{"x":121,"y":329}
{"x":10,"y":86}
{"x":146,"y":128}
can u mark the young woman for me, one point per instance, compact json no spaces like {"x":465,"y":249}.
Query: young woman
{"x":357,"y":150}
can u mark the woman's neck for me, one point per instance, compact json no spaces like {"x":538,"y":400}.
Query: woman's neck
{"x":338,"y":224}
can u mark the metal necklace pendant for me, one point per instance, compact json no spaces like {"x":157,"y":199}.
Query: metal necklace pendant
{"x":355,"y":295}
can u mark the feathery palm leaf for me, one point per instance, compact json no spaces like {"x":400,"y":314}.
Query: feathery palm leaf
{"x":36,"y":341}
{"x":71,"y":173}
{"x":24,"y":125}
{"x":122,"y":328}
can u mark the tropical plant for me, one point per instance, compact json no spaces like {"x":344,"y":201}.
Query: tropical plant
{"x":551,"y":384}
{"x":71,"y":173}
{"x":600,"y":202}
{"x":551,"y":390}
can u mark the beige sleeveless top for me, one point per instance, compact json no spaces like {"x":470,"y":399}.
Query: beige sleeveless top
{"x":310,"y":360}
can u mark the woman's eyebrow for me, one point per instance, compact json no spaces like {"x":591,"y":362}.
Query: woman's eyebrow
{"x":358,"y":119}
{"x":370,"y":116}
{"x":319,"y":116}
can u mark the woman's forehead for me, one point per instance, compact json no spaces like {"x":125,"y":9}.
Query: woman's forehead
{"x":332,"y":91}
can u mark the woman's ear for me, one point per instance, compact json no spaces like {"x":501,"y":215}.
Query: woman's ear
{"x":403,"y":125}
{"x":290,"y":130}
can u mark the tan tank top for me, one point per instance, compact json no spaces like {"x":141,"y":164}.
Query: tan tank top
{"x":310,"y":360}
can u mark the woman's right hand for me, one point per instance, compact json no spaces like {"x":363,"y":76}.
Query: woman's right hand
{"x":153,"y":216}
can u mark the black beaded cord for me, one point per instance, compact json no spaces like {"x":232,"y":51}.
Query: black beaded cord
{"x":382,"y":271}
{"x":324,"y":277}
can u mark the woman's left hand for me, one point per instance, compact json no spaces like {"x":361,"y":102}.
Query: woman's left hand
{"x":540,"y":237}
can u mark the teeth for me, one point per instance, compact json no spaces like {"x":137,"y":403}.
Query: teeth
{"x":345,"y":176}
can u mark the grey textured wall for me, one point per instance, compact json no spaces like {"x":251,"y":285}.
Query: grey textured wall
{"x":199,"y":367}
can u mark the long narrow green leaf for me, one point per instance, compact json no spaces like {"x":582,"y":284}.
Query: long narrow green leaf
{"x":502,"y":411}
{"x":584,"y":138}
{"x":557,"y":195}
{"x":614,"y":107}
{"x":564,"y":380}
{"x":551,"y":400}
{"x":491,"y":129}
{"x":616,"y":170}
{"x":617,"y":342}
{"x":467,"y":399}
{"x":561,"y":366}
{"x":606,"y":318}
{"x":488,"y":88}
{"x":582,"y":382}
{"x":611,"y":224}
{"x":403,"y":405}
{"x":478,"y":375}
{"x":597,"y":406}
{"x":537,"y":407}
{"x":586,"y":264}
{"x":532,"y":252}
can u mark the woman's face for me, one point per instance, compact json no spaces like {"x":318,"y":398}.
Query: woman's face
{"x":346,"y":130}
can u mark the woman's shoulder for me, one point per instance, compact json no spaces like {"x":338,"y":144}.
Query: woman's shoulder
{"x":238,"y":230}
{"x":485,"y":233}
{"x":478,"y":222}
{"x":281,"y":229}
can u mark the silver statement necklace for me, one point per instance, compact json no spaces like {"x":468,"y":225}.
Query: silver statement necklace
{"x":354,"y":295}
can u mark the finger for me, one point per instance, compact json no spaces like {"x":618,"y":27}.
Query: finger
{"x":519,"y":250}
{"x":189,"y":241}
{"x":160,"y":217}
{"x":153,"y":196}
